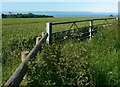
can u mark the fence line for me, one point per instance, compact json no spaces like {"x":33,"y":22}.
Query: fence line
{"x":20,"y":72}
{"x":94,"y":19}
{"x":91,"y":25}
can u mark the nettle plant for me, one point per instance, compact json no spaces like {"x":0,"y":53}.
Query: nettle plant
{"x":54,"y":68}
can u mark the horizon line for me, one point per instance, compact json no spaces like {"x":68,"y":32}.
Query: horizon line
{"x":58,"y":11}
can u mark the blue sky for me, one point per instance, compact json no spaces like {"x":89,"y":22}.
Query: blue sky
{"x":60,"y":0}
{"x":61,"y":6}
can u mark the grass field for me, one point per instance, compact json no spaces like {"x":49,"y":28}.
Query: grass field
{"x":19,"y":35}
{"x":89,"y":63}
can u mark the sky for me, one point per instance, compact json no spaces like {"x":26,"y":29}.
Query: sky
{"x":71,"y":6}
{"x":60,"y":0}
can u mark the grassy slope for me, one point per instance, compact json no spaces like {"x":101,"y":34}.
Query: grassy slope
{"x":19,"y":35}
{"x":95,"y":62}
{"x":102,"y":54}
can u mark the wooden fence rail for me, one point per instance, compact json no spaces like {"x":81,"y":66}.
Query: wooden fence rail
{"x":20,"y":72}
{"x":56,"y":23}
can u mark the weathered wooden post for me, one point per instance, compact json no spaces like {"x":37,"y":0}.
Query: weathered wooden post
{"x":90,"y":29}
{"x":23,"y":55}
{"x":49,"y":31}
{"x":37,"y":40}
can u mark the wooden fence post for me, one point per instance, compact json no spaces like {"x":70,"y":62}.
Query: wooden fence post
{"x":49,"y":31}
{"x":23,"y":55}
{"x":90,"y":29}
{"x":37,"y":40}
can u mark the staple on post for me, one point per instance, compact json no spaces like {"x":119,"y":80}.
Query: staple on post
{"x":37,"y":40}
{"x":23,"y":55}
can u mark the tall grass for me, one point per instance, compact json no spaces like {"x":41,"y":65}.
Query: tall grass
{"x":19,"y":35}
{"x":88,"y":63}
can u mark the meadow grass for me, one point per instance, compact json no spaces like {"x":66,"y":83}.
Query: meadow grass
{"x":88,"y":63}
{"x":19,"y":34}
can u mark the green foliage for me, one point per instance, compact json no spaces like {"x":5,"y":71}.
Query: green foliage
{"x":54,"y":68}
{"x":89,"y":63}
{"x":68,"y":60}
{"x":19,"y":35}
{"x":104,"y":50}
{"x":29,"y":15}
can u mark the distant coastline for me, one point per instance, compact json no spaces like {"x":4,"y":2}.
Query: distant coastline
{"x":68,"y":14}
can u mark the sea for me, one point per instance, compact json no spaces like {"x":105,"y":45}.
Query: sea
{"x":68,"y":14}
